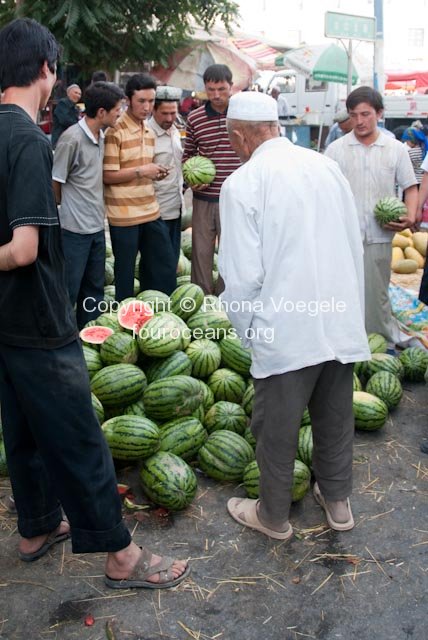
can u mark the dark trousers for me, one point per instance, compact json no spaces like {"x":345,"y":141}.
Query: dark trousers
{"x":157,"y":263}
{"x":279,"y":402}
{"x":85,"y":256}
{"x":56,"y":452}
{"x":174,"y":231}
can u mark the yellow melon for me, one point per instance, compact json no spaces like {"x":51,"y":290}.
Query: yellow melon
{"x":397,"y":255}
{"x":401,"y":241}
{"x":405,"y":266}
{"x":412,"y":254}
{"x":420,"y":240}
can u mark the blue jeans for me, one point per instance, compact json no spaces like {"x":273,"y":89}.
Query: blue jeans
{"x":85,"y":256}
{"x":56,"y":451}
{"x":157,"y":263}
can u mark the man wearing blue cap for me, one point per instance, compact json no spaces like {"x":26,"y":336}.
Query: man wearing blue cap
{"x":284,"y":213}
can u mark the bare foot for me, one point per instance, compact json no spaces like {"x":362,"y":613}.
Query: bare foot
{"x":121,"y":564}
{"x":30,"y":545}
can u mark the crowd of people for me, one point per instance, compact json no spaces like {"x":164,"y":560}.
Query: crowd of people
{"x":279,"y":213}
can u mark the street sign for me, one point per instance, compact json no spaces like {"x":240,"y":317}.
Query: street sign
{"x":343,"y":25}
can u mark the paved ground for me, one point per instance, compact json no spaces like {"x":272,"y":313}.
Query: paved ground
{"x":368,"y":584}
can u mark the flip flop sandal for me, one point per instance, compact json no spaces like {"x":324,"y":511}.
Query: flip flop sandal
{"x":51,"y":540}
{"x":337,"y":526}
{"x":244,"y":511}
{"x":142,"y":571}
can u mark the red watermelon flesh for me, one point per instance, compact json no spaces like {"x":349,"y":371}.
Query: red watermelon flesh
{"x":134,"y":314}
{"x":95,"y":334}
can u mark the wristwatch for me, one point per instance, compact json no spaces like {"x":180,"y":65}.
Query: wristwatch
{"x":138,"y":172}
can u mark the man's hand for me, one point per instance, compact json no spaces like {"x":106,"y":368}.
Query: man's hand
{"x":154,"y":171}
{"x":405,"y":223}
{"x":199,"y":187}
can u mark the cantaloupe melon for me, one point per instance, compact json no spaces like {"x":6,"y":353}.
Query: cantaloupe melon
{"x":405,"y":266}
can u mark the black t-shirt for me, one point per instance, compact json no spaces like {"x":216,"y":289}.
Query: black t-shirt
{"x":35,"y":310}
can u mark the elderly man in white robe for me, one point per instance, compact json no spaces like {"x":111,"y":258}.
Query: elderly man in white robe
{"x":291,"y":257}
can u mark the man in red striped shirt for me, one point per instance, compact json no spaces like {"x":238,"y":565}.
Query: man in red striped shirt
{"x":206,"y":135}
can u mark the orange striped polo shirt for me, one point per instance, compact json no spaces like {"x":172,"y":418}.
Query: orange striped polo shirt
{"x":129,"y":144}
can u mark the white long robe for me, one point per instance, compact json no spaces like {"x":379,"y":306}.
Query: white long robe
{"x":291,"y":257}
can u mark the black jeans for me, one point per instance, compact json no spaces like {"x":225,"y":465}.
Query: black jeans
{"x":174,"y":231}
{"x":55,"y":449}
{"x":158,"y":269}
{"x":85,"y":256}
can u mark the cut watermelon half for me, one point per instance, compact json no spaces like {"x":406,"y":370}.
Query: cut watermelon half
{"x":95,"y":334}
{"x":134,"y":314}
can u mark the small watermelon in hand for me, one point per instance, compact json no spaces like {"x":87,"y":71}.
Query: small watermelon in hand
{"x":389,"y":209}
{"x":198,"y":170}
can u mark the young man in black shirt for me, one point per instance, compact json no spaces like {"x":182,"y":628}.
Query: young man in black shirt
{"x":55,"y":449}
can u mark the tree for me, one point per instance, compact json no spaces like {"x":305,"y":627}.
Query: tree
{"x":111,"y":34}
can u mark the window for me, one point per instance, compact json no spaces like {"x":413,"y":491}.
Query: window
{"x":315,"y":85}
{"x":415,"y":37}
{"x":286,"y":84}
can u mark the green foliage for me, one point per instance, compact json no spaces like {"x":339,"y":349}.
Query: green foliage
{"x":116,"y":34}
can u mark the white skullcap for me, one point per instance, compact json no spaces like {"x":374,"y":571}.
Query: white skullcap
{"x":252,"y":106}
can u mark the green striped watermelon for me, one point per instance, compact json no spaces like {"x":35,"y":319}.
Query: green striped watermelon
{"x":389,"y":209}
{"x":306,"y":418}
{"x":172,"y":397}
{"x":110,"y":293}
{"x":357,"y":386}
{"x":183,"y":280}
{"x":234,"y":356}
{"x":109,"y":272}
{"x":248,"y":435}
{"x":209,"y":324}
{"x":387,"y":387}
{"x":186,"y":300}
{"x":184,"y":266}
{"x":361,"y":369}
{"x":168,"y":481}
{"x":227,"y":385}
{"x":131,"y":437}
{"x":119,"y":347}
{"x":162,"y":335}
{"x":205,"y":356}
{"x":199,"y":413}
{"x":178,"y":363}
{"x":198,"y":170}
{"x":226,"y":415}
{"x":385,"y":362}
{"x":134,"y":409}
{"x":248,"y":399}
{"x":98,"y":408}
{"x":183,"y":436}
{"x":305,"y":445}
{"x":207,"y":395}
{"x":92,"y":359}
{"x":377,"y":343}
{"x":301,"y":480}
{"x":370,"y":412}
{"x":109,"y":319}
{"x":186,"y":244}
{"x":157,"y":300}
{"x":415,"y":363}
{"x":225,"y":455}
{"x":119,"y":385}
{"x":3,"y":462}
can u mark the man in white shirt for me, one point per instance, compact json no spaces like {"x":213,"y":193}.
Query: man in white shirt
{"x":78,"y":185}
{"x":374,"y":163}
{"x":292,"y":260}
{"x":168,"y":153}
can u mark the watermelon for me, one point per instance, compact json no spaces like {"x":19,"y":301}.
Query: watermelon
{"x":248,"y":435}
{"x":134,"y":409}
{"x":370,"y":412}
{"x":178,"y":363}
{"x":108,"y":319}
{"x":168,"y":481}
{"x":389,"y":209}
{"x":226,"y":415}
{"x":227,"y":385}
{"x":186,"y":300}
{"x":184,"y":266}
{"x":158,"y":301}
{"x":131,"y":437}
{"x":183,"y":280}
{"x":109,"y":251}
{"x":3,"y":461}
{"x":119,"y":385}
{"x":186,"y":244}
{"x":377,"y":343}
{"x":361,"y":369}
{"x":186,"y":219}
{"x":119,"y":347}
{"x":209,"y":324}
{"x":183,"y":436}
{"x":109,"y":272}
{"x":205,"y":356}
{"x":305,"y":445}
{"x":198,"y":170}
{"x":92,"y":359}
{"x":357,"y":385}
{"x":162,"y":335}
{"x":387,"y":387}
{"x":306,"y":418}
{"x":172,"y":397}
{"x":415,"y":363}
{"x":225,"y":455}
{"x":301,"y":480}
{"x":98,"y":408}
{"x":385,"y":362}
{"x":199,"y":413}
{"x":133,"y":315}
{"x":248,"y":398}
{"x":234,"y":356}
{"x":109,"y":293}
{"x":207,"y":396}
{"x":95,"y":335}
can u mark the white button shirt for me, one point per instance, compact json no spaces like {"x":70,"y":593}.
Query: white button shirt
{"x":373,"y":171}
{"x":291,"y":257}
